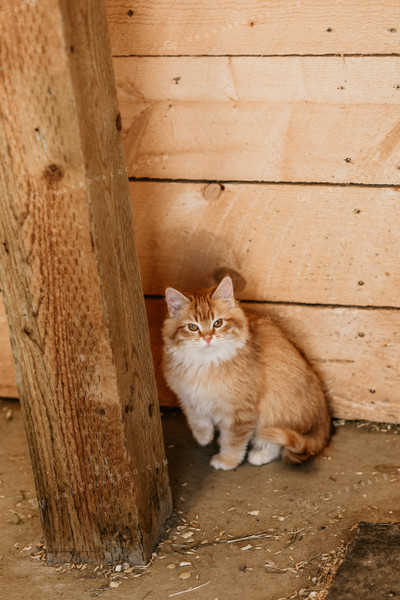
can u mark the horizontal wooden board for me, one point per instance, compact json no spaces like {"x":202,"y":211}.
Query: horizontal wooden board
{"x":252,"y":129}
{"x":316,"y":79}
{"x":268,"y":27}
{"x":356,"y":351}
{"x":296,"y":243}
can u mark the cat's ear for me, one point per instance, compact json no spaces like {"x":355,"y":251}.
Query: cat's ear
{"x":175,"y":301}
{"x":224,"y":290}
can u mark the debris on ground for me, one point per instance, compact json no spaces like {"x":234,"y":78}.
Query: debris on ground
{"x":369,"y":425}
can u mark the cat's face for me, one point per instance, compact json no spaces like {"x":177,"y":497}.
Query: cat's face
{"x":208,"y":326}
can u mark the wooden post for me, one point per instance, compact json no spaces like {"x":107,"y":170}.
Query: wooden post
{"x":72,"y":287}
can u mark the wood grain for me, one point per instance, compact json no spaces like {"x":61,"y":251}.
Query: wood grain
{"x":318,"y":79}
{"x":310,"y":244}
{"x":261,"y":119}
{"x":254,"y":27}
{"x":356,"y":351}
{"x":72,"y":289}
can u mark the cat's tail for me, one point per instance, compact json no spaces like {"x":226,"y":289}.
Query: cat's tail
{"x":298,"y":447}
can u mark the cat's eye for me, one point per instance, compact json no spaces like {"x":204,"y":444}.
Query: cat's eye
{"x":218,"y":323}
{"x":193,"y":327}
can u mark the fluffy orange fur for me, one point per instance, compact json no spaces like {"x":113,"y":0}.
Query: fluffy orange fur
{"x":242,"y":377}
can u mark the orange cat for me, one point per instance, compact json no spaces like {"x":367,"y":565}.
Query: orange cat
{"x":248,"y":381}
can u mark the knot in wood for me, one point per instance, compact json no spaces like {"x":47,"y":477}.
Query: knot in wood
{"x":212,"y":191}
{"x":53,"y":173}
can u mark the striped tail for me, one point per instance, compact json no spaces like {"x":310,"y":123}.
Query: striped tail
{"x":298,"y":447}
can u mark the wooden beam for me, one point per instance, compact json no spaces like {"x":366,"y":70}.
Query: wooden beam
{"x":269,"y":27}
{"x":72,"y":288}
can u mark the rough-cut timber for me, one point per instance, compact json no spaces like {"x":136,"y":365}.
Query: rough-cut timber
{"x":266,"y":27}
{"x":261,"y":119}
{"x":286,"y":243}
{"x":72,"y":288}
{"x":356,"y":351}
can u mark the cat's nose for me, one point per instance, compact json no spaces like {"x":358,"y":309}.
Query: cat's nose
{"x":208,"y":338}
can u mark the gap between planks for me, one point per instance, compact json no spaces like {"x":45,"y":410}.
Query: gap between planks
{"x":311,"y":304}
{"x":328,"y":54}
{"x":269,"y":182}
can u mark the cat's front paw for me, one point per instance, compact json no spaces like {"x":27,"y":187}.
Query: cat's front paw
{"x":219,"y":461}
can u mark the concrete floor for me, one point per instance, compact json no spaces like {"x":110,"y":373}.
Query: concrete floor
{"x":303,"y":517}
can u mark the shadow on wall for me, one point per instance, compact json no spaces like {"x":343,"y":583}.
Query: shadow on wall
{"x":192,"y":272}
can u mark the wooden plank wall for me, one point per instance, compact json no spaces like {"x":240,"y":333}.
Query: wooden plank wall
{"x":263,"y":140}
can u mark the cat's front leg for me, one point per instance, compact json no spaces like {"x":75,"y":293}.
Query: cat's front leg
{"x":233,"y":440}
{"x":202,"y":427}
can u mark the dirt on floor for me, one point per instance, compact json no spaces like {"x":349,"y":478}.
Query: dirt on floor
{"x":266,"y":533}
